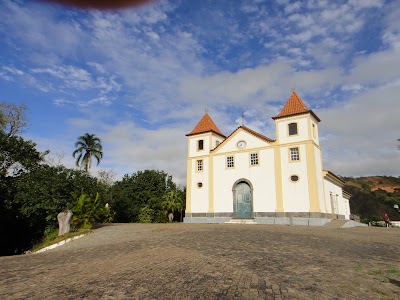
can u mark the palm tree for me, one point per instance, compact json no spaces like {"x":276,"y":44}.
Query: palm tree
{"x":87,"y":146}
{"x":172,"y":202}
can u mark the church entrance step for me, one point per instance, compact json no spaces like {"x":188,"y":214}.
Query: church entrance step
{"x":241,"y":221}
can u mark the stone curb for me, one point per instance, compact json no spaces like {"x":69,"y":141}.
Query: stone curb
{"x":59,"y":243}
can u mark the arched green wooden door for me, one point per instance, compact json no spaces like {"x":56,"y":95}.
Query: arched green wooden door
{"x":243,"y":207}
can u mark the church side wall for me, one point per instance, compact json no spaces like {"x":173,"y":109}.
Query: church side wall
{"x":320,"y":180}
{"x":342,"y":204}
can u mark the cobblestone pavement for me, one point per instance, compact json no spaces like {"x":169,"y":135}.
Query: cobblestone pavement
{"x":188,"y":261}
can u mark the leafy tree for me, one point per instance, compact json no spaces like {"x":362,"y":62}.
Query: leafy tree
{"x":146,"y":214}
{"x":86,"y":212}
{"x":138,"y":190}
{"x":87,"y":146}
{"x":45,"y":192}
{"x":372,"y":205}
{"x":106,"y":179}
{"x":35,"y":199}
{"x":172,"y":202}
{"x":18,"y":155}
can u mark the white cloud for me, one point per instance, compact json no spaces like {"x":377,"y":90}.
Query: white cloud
{"x":292,"y":7}
{"x":147,"y":74}
{"x":360,"y":135}
{"x":130,"y":148}
{"x":72,"y":77}
{"x":13,"y":71}
{"x":61,"y":102}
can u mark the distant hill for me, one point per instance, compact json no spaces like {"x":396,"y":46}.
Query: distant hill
{"x":387,"y":183}
{"x":373,"y":196}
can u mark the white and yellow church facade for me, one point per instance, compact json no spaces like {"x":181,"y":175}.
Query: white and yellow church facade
{"x":248,"y":176}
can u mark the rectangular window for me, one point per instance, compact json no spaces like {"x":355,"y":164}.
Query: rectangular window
{"x":314,"y":131}
{"x":292,"y":128}
{"x":253,"y":159}
{"x":200,"y":165}
{"x":230,"y":163}
{"x":200,"y":145}
{"x":294,"y":154}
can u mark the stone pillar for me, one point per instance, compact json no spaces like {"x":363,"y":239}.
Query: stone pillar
{"x":64,"y":219}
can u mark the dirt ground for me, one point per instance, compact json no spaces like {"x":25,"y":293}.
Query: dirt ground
{"x":227,"y":261}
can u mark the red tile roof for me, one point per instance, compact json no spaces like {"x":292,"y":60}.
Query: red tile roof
{"x":206,"y":124}
{"x":294,"y":106}
{"x":260,"y":136}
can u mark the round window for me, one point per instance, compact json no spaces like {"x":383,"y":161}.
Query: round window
{"x":199,"y":184}
{"x":294,"y":178}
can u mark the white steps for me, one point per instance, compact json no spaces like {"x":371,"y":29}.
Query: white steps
{"x":242,"y":221}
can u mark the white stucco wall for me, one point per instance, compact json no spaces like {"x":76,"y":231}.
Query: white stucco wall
{"x":199,"y":201}
{"x":295,"y":194}
{"x":302,"y":130}
{"x":262,"y":178}
{"x":320,"y":179}
{"x":343,"y":204}
{"x":241,"y":135}
{"x":314,"y":135}
{"x":193,"y":145}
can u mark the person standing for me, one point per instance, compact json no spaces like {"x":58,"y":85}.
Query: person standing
{"x":387,"y":220}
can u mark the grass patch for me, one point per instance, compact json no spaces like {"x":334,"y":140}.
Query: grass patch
{"x":53,"y":238}
{"x":393,"y":271}
{"x":382,"y":272}
{"x":380,"y":292}
{"x":376,"y":272}
{"x":359,"y":268}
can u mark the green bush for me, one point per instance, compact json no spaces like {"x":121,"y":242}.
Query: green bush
{"x":86,"y":212}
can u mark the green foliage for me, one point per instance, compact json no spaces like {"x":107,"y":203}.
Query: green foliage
{"x":17,"y":155}
{"x":146,"y":189}
{"x":372,"y":205}
{"x":52,"y":238}
{"x":86,"y":212}
{"x":172,"y":202}
{"x":17,"y":158}
{"x":31,"y":201}
{"x":87,"y":146}
{"x":146,"y":214}
{"x":45,"y":192}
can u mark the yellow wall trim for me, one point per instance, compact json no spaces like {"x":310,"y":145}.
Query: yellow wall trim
{"x":189,"y":186}
{"x":312,"y":178}
{"x":211,"y":185}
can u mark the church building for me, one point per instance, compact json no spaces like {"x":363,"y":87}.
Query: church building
{"x":246,"y":177}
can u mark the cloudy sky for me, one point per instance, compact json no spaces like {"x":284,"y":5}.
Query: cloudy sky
{"x":141,"y":78}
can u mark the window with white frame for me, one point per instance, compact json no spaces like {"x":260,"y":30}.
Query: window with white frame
{"x":230,"y":162}
{"x":200,"y":165}
{"x":294,"y":154}
{"x":253,"y":159}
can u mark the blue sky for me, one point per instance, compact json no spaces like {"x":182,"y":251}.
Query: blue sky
{"x":141,"y":78}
